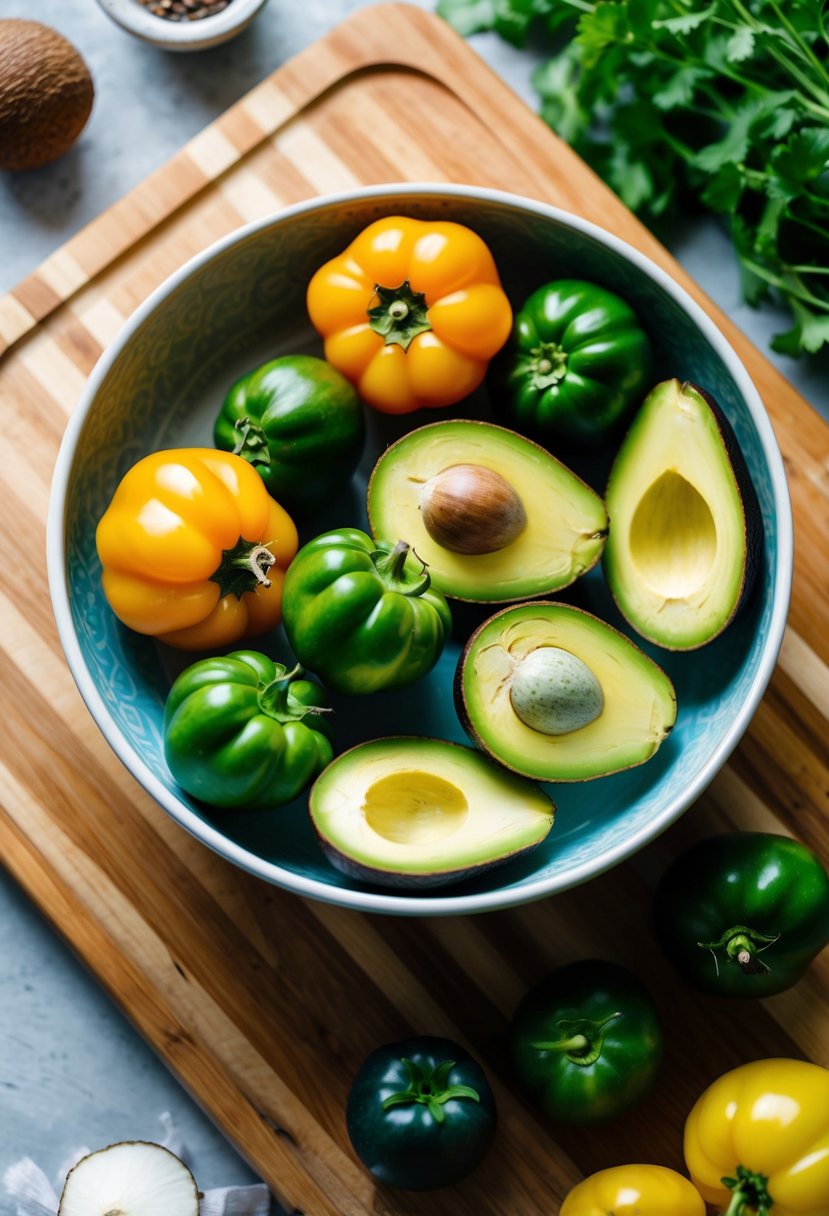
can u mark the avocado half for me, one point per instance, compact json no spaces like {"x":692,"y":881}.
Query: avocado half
{"x":685,"y":533}
{"x":411,"y":812}
{"x":494,"y":516}
{"x":554,"y":693}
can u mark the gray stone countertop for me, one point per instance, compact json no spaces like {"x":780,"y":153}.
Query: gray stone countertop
{"x":72,"y":1071}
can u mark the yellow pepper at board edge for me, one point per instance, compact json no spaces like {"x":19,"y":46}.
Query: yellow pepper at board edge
{"x":411,"y":312}
{"x":194,"y":549}
{"x":764,"y":1128}
{"x":634,"y":1190}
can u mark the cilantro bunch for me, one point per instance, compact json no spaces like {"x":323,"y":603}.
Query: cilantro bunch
{"x":679,"y":104}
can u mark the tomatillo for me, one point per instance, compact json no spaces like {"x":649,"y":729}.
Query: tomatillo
{"x":743,"y":914}
{"x":577,"y":362}
{"x":421,"y":1114}
{"x":586,"y":1042}
{"x":243,"y":731}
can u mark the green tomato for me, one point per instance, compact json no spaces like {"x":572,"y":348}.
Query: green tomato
{"x":577,"y":363}
{"x":360,"y":613}
{"x":242,"y":731}
{"x":743,"y":914}
{"x":300,"y":424}
{"x":586,"y":1042}
{"x":421,"y":1114}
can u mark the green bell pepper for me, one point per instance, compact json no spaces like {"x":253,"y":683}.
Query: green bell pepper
{"x":743,"y":914}
{"x":300,"y":424}
{"x":421,"y":1114}
{"x":242,"y":731}
{"x":360,"y":613}
{"x":577,"y":363}
{"x":586,"y":1042}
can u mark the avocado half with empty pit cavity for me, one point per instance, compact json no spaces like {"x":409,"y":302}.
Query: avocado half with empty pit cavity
{"x":410,"y":812}
{"x":494,"y":516}
{"x":685,"y":534}
{"x":554,"y":693}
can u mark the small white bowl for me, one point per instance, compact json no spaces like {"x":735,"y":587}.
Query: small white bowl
{"x":136,"y":19}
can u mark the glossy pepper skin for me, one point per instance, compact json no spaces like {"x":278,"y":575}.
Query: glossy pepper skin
{"x":194,"y":550}
{"x":360,"y":612}
{"x":421,"y":1114}
{"x":743,"y":914}
{"x":243,"y":731}
{"x":634,"y":1190}
{"x":577,"y":363}
{"x":757,"y":1141}
{"x":411,"y":312}
{"x":299,"y":422}
{"x":586,"y":1042}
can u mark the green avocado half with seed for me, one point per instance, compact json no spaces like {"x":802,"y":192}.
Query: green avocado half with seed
{"x":554,"y":693}
{"x":494,"y":516}
{"x":412,"y":812}
{"x":685,"y":533}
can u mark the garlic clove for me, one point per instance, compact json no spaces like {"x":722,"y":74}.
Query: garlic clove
{"x":132,"y":1178}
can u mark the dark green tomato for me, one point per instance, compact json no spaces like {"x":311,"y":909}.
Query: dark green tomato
{"x":577,"y":363}
{"x":241,"y":731}
{"x":743,"y":914}
{"x":421,"y":1114}
{"x":300,"y":424}
{"x":586,"y":1042}
{"x":360,"y":612}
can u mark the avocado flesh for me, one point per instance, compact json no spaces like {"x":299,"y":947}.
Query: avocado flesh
{"x":638,"y":710}
{"x":675,"y":560}
{"x":420,"y":812}
{"x":566,"y":521}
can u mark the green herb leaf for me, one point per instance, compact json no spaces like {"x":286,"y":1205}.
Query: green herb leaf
{"x":741,"y":44}
{"x":468,"y":16}
{"x":687,"y":23}
{"x":679,"y":89}
{"x":809,"y":333}
{"x":724,"y":190}
{"x":606,"y":25}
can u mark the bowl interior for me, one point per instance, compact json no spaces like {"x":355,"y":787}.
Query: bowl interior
{"x":164,"y":387}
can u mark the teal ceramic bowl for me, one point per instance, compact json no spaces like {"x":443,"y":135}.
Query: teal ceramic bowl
{"x":161,"y":384}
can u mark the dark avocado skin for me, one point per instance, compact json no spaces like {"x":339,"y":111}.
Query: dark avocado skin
{"x":751,"y":504}
{"x":411,"y":882}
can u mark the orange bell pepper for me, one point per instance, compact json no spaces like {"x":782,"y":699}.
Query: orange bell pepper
{"x":411,"y":312}
{"x":194,"y":550}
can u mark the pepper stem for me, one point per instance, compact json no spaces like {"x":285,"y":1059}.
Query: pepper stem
{"x":391,"y":566}
{"x":273,"y":698}
{"x":582,"y":1040}
{"x":399,"y":315}
{"x":243,"y":567}
{"x":750,"y":1193}
{"x":743,"y":946}
{"x":252,"y":443}
{"x":548,"y":364}
{"x":431,"y":1088}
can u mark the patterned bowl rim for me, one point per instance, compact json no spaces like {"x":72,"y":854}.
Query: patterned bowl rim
{"x":378,"y":901}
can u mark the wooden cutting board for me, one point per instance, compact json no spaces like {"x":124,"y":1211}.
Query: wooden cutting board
{"x":264,"y":1005}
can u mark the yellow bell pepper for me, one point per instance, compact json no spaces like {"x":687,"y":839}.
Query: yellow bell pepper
{"x":194,"y":550}
{"x":411,"y":312}
{"x":757,"y":1141}
{"x":634,"y":1190}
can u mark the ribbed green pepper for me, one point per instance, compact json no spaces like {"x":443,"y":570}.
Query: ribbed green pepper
{"x":743,"y":914}
{"x":577,"y":362}
{"x":299,"y":422}
{"x":242,"y":731}
{"x":586,"y":1042}
{"x":360,"y":612}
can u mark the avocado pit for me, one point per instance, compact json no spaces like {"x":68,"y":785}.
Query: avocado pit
{"x":554,"y":692}
{"x":470,"y":509}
